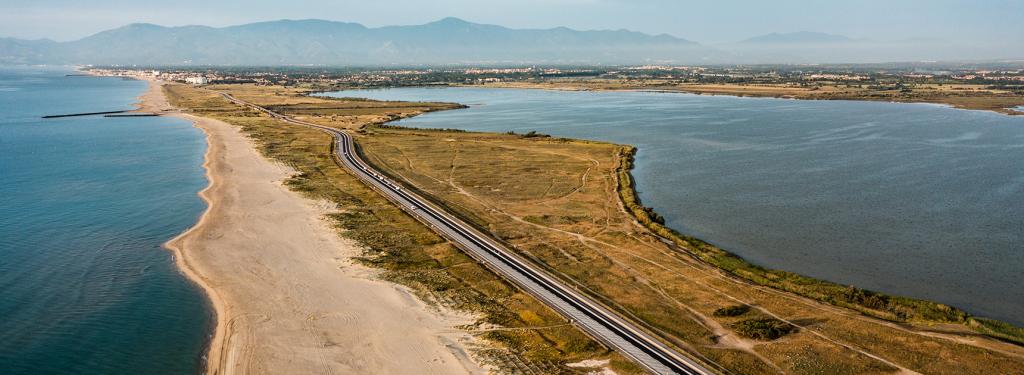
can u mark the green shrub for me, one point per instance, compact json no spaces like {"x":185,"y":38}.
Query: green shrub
{"x":735,"y":310}
{"x":763,"y":328}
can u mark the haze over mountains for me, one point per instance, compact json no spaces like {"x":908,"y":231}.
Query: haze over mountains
{"x":448,"y":41}
{"x":798,"y":37}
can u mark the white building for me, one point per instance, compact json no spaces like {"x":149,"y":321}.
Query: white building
{"x":197,"y":80}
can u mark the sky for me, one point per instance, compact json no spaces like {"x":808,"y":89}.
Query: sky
{"x":705,"y":21}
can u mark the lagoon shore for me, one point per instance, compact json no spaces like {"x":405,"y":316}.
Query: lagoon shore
{"x":286,"y":294}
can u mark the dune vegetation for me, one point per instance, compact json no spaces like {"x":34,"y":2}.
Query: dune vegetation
{"x":570,"y":207}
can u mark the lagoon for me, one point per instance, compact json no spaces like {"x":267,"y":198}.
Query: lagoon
{"x":919,"y":200}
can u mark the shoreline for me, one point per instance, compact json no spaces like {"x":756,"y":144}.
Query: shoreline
{"x":150,"y":101}
{"x":845,"y":327}
{"x":215,"y":343}
{"x":898,"y":309}
{"x":1011,"y":111}
{"x":946,"y":332}
{"x":727,"y":261}
{"x":240,"y":345}
{"x":921,"y":311}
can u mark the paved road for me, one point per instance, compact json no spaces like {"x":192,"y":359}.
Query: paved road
{"x":599,"y":321}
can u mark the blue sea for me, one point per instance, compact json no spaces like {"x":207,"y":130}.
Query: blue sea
{"x":918,"y":200}
{"x":85,"y":204}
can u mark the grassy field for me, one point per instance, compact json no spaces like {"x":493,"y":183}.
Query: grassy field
{"x":965,"y":96}
{"x":557,"y":202}
{"x":565,"y":205}
{"x":521,"y":335}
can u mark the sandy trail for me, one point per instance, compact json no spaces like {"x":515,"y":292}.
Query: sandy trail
{"x":287,"y":297}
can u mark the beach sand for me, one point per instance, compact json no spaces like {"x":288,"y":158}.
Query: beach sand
{"x":287,"y":297}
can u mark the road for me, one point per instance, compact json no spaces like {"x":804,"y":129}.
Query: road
{"x":594,"y":318}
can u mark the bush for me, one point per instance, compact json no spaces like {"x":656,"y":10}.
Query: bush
{"x":535,"y":134}
{"x":763,"y":328}
{"x":866,"y":298}
{"x":735,"y":310}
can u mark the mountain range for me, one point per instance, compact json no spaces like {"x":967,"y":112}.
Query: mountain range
{"x":318,"y":42}
{"x":455,"y":41}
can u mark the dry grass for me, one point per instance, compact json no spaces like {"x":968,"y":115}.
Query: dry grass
{"x":523,"y":335}
{"x":556,"y":202}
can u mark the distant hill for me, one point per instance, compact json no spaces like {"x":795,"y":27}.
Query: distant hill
{"x":454,"y":41}
{"x":20,"y":51}
{"x":319,"y":42}
{"x":800,"y":37}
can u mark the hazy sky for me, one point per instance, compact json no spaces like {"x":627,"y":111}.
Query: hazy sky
{"x":706,"y":21}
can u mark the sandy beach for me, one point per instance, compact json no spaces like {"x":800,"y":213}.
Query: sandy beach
{"x":287,"y":297}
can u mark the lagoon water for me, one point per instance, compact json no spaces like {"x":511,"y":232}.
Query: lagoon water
{"x":912,"y":199}
{"x":85,"y":204}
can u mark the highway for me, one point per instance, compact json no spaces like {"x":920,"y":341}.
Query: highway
{"x":594,"y":318}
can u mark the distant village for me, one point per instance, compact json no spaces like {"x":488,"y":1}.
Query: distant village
{"x":1011,"y":75}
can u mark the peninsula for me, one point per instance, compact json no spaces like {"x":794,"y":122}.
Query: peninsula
{"x":584,"y":226}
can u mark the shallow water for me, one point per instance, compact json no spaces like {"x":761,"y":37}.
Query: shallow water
{"x":912,"y":199}
{"x":85,"y":204}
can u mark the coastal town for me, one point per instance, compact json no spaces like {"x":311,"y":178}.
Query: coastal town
{"x":1007,"y":76}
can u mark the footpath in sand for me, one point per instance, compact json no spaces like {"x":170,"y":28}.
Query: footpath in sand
{"x":287,"y":297}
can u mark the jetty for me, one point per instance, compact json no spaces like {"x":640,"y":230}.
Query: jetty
{"x":86,"y":114}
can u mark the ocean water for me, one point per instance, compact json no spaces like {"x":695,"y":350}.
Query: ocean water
{"x":85,"y":204}
{"x":911,"y":199}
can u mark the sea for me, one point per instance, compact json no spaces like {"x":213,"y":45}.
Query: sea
{"x":917,"y":200}
{"x":85,"y":205}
